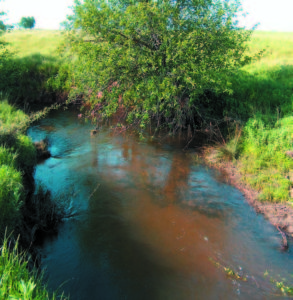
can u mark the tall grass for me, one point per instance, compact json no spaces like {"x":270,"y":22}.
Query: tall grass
{"x":17,"y":280}
{"x":17,"y":154}
{"x":18,"y":157}
{"x":263,"y":103}
{"x":265,"y":85}
{"x":10,"y":196}
{"x":264,"y":163}
{"x":31,"y":73}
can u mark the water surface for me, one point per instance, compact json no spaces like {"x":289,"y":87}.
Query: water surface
{"x":149,"y":221}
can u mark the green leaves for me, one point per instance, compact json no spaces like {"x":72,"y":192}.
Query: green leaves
{"x":160,"y":52}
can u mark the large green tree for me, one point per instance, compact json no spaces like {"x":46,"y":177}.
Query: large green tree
{"x":158,"y":59}
{"x":27,"y":22}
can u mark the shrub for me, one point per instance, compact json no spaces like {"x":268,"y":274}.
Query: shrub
{"x":159,"y":59}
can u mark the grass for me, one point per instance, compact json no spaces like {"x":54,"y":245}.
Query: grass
{"x":263,"y":103}
{"x":264,"y":163}
{"x":279,"y":50}
{"x":34,"y":42}
{"x":268,"y":134}
{"x":35,"y":72}
{"x":17,"y":157}
{"x":17,"y":280}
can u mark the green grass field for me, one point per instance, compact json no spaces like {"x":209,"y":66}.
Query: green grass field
{"x":31,"y":42}
{"x":279,"y":50}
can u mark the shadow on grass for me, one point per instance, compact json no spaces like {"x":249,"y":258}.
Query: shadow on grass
{"x":32,"y":79}
{"x":269,"y":94}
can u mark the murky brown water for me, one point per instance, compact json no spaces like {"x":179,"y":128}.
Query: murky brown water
{"x":149,"y":221}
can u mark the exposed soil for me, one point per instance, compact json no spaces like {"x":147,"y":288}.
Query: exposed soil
{"x":278,"y":214}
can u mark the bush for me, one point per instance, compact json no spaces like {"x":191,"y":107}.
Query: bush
{"x":27,"y":22}
{"x":156,"y":59}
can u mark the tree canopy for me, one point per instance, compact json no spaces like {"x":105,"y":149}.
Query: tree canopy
{"x":27,"y":22}
{"x":156,"y":59}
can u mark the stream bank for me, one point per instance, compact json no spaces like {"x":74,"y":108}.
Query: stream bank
{"x":279,"y":215}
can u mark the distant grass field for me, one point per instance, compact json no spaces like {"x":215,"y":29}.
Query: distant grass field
{"x":279,"y":46}
{"x":30,"y":42}
{"x":279,"y":50}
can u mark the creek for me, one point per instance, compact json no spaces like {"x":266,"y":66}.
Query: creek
{"x":149,"y":221}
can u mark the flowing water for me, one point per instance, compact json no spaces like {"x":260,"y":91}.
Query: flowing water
{"x":149,"y":221}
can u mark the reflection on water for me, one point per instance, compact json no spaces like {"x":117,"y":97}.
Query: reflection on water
{"x":149,"y":221}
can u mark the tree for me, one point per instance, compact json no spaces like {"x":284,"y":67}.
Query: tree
{"x":2,"y":26}
{"x":162,"y":60}
{"x":27,"y":22}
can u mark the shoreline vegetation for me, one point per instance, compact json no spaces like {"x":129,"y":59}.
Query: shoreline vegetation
{"x":253,"y":149}
{"x":24,"y":211}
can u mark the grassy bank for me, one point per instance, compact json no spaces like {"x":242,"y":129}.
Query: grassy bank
{"x":17,"y":156}
{"x":20,"y":215}
{"x":34,"y":73}
{"x":27,"y":74}
{"x":262,"y":105}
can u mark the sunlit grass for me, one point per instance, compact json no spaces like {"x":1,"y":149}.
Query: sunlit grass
{"x":279,"y":50}
{"x":264,"y":164}
{"x":263,"y":103}
{"x":17,"y":281}
{"x":10,"y":116}
{"x":30,"y":42}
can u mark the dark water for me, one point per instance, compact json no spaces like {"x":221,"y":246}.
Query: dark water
{"x":149,"y":221}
